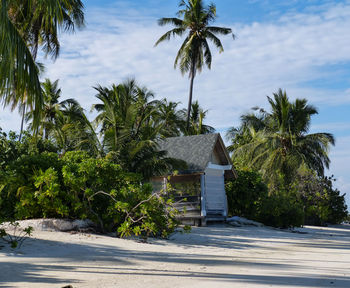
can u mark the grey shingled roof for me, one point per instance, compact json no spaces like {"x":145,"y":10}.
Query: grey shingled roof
{"x":195,"y":150}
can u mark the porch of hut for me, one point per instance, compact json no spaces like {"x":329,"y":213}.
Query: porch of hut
{"x":185,"y":191}
{"x":199,"y":191}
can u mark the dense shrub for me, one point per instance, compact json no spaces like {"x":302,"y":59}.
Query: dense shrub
{"x":248,"y":197}
{"x":322,"y":202}
{"x":309,"y":200}
{"x":281,"y":210}
{"x":245,"y":194}
{"x":35,"y":185}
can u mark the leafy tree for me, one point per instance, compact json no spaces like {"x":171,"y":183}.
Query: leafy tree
{"x":194,"y":52}
{"x":74,"y":131}
{"x":245,"y":194}
{"x":80,"y":186}
{"x":322,"y":202}
{"x":65,"y":122}
{"x":248,"y":196}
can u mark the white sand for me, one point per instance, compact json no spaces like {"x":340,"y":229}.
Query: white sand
{"x":214,"y":256}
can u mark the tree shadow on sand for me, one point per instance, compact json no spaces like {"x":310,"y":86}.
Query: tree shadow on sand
{"x":56,"y":262}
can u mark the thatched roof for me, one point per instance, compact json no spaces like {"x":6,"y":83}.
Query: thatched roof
{"x":196,"y":150}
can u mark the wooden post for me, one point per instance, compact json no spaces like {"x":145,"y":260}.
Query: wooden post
{"x":203,"y":211}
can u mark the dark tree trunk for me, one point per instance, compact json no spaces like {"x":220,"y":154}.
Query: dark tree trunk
{"x":190,"y":97}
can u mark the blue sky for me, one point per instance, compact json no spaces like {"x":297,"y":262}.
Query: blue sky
{"x":300,"y":46}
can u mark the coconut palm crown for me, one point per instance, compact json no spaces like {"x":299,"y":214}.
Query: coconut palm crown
{"x":279,"y":140}
{"x":194,"y":52}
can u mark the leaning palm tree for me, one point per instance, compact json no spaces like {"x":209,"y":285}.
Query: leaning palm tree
{"x":194,"y":52}
{"x":38,"y":24}
{"x":18,"y":71}
{"x":277,"y":143}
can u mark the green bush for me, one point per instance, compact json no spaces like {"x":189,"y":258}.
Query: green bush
{"x":245,"y":194}
{"x":281,"y":210}
{"x":18,"y":195}
{"x":248,"y":197}
{"x":79,"y":186}
{"x":322,"y":202}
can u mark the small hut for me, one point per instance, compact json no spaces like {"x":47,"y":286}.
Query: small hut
{"x":200,"y":189}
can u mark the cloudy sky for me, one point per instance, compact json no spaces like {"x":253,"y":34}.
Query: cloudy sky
{"x":302,"y":46}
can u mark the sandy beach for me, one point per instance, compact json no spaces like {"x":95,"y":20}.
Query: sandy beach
{"x":213,"y":256}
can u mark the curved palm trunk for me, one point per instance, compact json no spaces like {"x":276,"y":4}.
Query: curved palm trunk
{"x":190,"y":97}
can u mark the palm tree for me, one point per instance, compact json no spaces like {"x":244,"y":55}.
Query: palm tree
{"x":197,"y":126}
{"x":129,"y":124}
{"x":276,"y":143}
{"x":194,"y":52}
{"x":65,"y":122}
{"x":38,"y":24}
{"x":73,"y":130}
{"x":19,"y":72}
{"x":171,"y":119}
{"x":52,"y":106}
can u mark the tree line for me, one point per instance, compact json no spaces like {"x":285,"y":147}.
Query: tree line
{"x":68,"y":166}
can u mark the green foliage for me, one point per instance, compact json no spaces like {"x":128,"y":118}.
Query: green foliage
{"x":49,"y":195}
{"x":196,"y":125}
{"x":78,"y":186}
{"x":309,"y":200}
{"x":132,"y":123}
{"x":281,"y":210}
{"x":22,"y":176}
{"x":142,"y":214}
{"x":246,"y":194}
{"x":276,"y":143}
{"x":26,"y":26}
{"x":278,"y":146}
{"x":323,"y":203}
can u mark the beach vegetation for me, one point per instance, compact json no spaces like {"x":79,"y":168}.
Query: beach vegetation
{"x":276,"y":145}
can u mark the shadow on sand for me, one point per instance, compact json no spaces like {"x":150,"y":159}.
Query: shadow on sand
{"x":69,"y":258}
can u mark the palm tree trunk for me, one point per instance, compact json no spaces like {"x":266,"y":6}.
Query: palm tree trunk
{"x":22,"y":122}
{"x":190,"y":97}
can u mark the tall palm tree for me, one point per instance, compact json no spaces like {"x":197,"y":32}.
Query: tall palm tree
{"x":38,"y":23}
{"x":52,"y":106}
{"x":276,"y":143}
{"x":194,"y":52}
